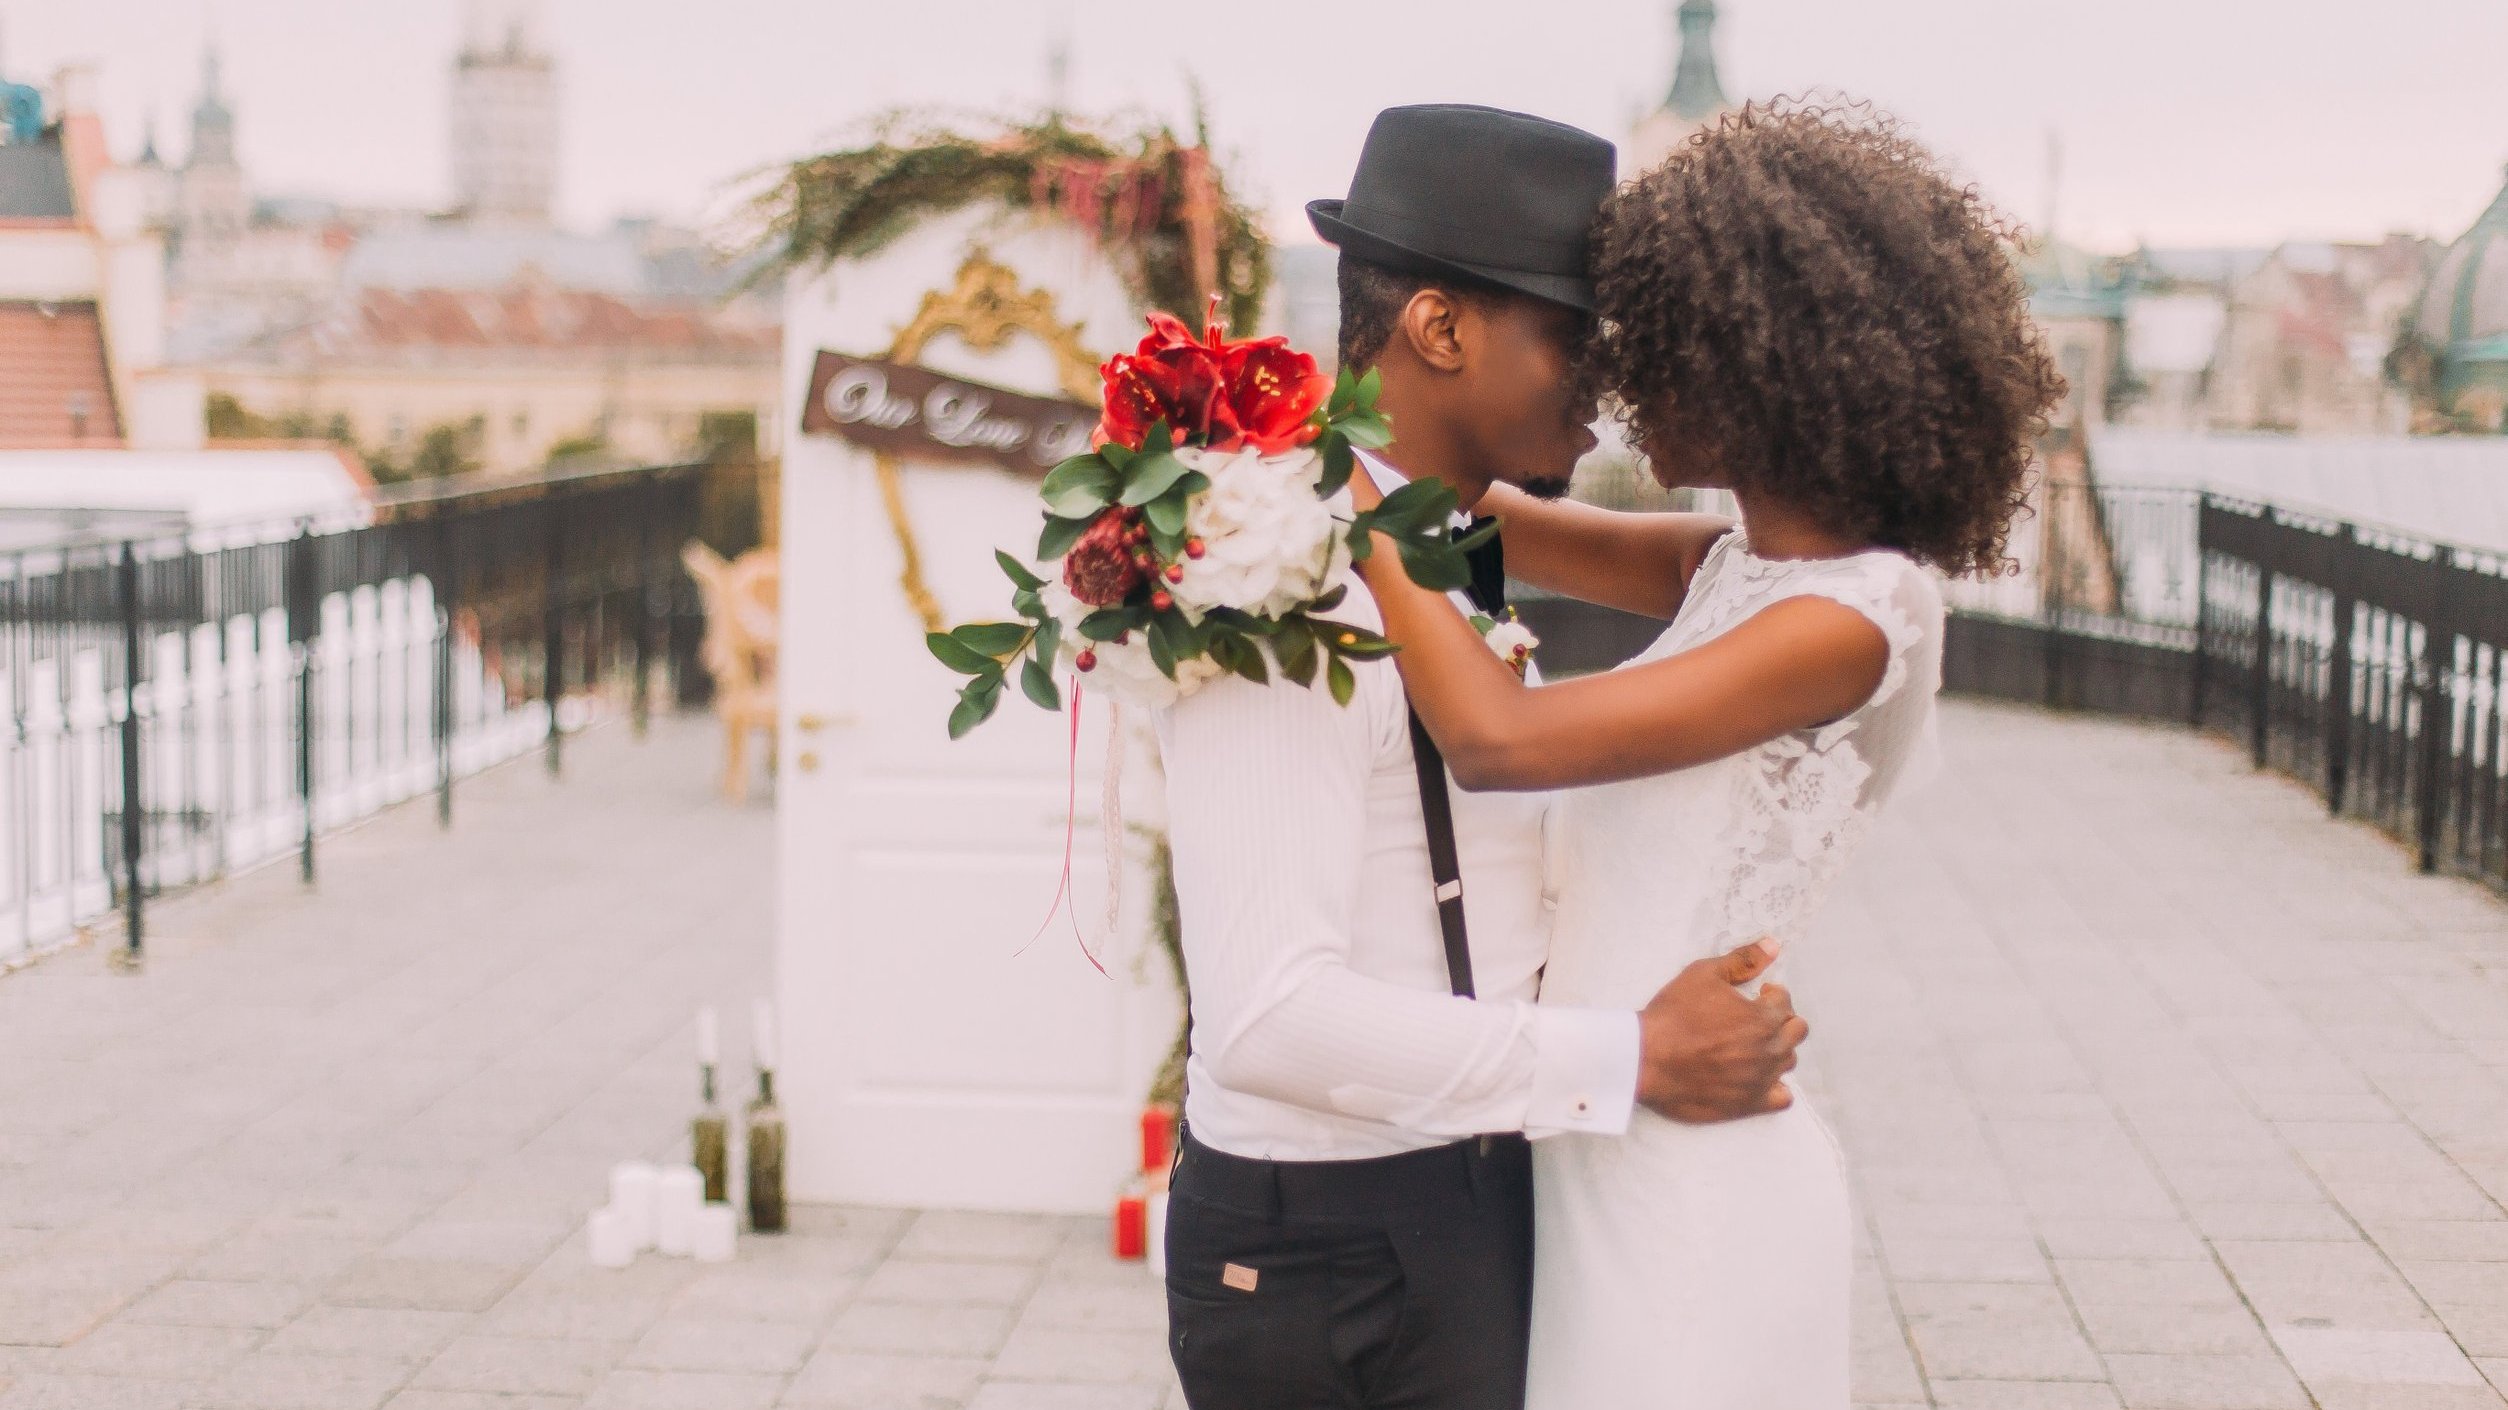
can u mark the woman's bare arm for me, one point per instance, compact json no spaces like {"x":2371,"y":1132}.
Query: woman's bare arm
{"x":1639,"y":563}
{"x":1798,"y":663}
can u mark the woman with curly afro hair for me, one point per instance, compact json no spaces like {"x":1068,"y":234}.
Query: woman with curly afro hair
{"x":1799,"y":307}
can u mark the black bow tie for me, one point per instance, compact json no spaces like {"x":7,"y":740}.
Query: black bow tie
{"x":1489,"y":570}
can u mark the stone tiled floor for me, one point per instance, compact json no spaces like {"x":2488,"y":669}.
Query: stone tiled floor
{"x":2161,"y":1091}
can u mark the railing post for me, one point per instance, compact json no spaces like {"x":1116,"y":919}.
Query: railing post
{"x":553,"y":624}
{"x":447,"y":604}
{"x":2337,"y":717}
{"x":2202,"y":610}
{"x":2260,"y":676}
{"x":134,"y":824}
{"x":2438,"y":654}
{"x":650,"y":508}
{"x":2051,"y":593}
{"x":304,"y":632}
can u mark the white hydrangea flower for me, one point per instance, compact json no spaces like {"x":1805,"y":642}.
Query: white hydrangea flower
{"x":1268,"y":544}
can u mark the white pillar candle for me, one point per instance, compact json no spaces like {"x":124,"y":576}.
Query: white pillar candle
{"x":678,"y":1194}
{"x":762,"y":1033}
{"x":1158,"y":1234}
{"x":608,"y":1239}
{"x":709,"y":1037}
{"x":717,"y":1233}
{"x":633,"y":1184}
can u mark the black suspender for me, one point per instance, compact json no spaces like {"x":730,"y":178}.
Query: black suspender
{"x":1438,"y":808}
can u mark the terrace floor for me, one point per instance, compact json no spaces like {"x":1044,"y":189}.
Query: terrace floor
{"x":2160,"y":1090}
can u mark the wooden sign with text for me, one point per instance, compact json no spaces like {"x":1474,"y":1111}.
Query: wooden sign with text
{"x":919,"y":414}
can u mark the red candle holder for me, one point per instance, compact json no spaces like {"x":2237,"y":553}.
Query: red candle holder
{"x":1158,"y":1138}
{"x":1132,"y":1223}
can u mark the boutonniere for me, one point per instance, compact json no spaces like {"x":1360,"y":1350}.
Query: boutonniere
{"x":1510,"y":639}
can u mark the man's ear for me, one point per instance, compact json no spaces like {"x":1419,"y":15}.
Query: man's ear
{"x":1432,"y":323}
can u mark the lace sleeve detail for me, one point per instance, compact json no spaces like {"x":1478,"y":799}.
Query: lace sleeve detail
{"x":1898,"y":597}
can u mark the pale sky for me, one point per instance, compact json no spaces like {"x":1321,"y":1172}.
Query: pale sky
{"x":2181,"y":121}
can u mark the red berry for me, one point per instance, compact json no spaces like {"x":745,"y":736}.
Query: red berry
{"x":1086,"y":660}
{"x":1141,"y":558}
{"x":1160,"y":601}
{"x":1175,"y":572}
{"x":1195,"y":548}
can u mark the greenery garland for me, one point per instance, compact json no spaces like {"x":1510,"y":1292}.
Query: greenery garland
{"x":1133,"y":192}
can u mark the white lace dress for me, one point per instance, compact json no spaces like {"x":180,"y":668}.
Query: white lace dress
{"x":1706,"y":1267}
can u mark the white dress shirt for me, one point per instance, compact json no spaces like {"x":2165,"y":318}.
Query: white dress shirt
{"x":1324,"y":1027}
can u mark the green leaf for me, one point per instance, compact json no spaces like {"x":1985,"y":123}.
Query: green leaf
{"x":1017,"y":572}
{"x":1107,"y":623}
{"x":1344,"y":395}
{"x":1152,"y":476}
{"x":1079,"y":487}
{"x":1166,"y":516}
{"x":1059,"y":535}
{"x":1369,"y":388}
{"x":1162,"y":652}
{"x":1421,"y":502}
{"x":1048,"y":642}
{"x":1368,"y":431}
{"x":1339,"y":461}
{"x":956,"y":655}
{"x":1160,"y":439}
{"x":1028,"y":605}
{"x":1246,"y":659}
{"x":1330,"y":600}
{"x":1116,"y":455}
{"x":1238,"y":620}
{"x":1038,"y":681}
{"x":994,"y":639}
{"x":1296,"y":645}
{"x":1337,"y":676}
{"x":976,"y":704}
{"x":1476,"y":537}
{"x":1362,"y":536}
{"x":1435,"y":565}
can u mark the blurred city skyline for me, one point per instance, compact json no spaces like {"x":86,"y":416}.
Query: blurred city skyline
{"x":2179,"y":122}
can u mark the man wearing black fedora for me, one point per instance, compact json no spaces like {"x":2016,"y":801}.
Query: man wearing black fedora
{"x":1351,"y":1218}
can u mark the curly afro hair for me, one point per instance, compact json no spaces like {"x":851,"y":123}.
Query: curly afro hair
{"x":1800,"y":298}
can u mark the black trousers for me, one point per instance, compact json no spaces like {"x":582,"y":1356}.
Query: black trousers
{"x":1405,"y":1281}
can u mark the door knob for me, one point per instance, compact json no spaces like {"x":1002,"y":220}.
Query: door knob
{"x":808,"y":761}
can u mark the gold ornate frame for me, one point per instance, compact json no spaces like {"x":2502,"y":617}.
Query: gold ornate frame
{"x":984,"y":306}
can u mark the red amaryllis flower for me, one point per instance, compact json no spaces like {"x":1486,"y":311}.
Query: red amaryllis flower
{"x":1099,"y":569}
{"x":1272,"y":392}
{"x":1171,"y":377}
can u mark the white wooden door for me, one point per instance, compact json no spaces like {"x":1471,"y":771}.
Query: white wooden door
{"x":939,"y":1052}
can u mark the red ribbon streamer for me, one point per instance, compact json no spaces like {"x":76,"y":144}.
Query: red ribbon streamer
{"x":1070,"y":834}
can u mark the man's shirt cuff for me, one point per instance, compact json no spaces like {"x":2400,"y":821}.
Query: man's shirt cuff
{"x":1584,"y":1071}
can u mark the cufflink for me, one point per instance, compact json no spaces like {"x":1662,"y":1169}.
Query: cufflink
{"x":1450,"y":890}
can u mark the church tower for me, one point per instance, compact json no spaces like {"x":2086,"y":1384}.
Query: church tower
{"x":504,"y":115}
{"x":211,"y":205}
{"x":1696,"y":96}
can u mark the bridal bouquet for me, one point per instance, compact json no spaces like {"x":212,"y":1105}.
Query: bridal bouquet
{"x":1207,"y":533}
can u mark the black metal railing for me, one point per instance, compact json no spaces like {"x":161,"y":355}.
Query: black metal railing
{"x":188,"y":704}
{"x":2367,"y":662}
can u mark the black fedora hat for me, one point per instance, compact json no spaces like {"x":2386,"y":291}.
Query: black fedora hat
{"x":1475,"y":193}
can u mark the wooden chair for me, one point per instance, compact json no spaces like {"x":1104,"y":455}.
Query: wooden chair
{"x":741,"y":599}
